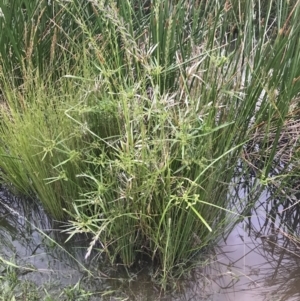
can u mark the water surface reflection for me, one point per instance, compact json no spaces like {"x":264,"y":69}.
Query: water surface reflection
{"x":259,"y":260}
{"x":29,"y":241}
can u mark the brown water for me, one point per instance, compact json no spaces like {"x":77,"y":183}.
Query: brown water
{"x":35,"y":252}
{"x":258,"y":261}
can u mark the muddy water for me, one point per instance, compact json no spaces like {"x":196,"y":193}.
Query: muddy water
{"x":259,"y":260}
{"x":38,"y":257}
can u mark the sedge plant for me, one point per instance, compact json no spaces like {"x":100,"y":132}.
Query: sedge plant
{"x":138,"y":131}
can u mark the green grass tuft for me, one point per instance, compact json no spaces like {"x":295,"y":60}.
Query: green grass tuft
{"x":133,"y":115}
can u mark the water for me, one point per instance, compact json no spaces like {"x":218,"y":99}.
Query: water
{"x":38,"y":258}
{"x":259,"y":260}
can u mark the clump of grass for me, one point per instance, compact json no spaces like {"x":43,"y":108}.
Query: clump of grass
{"x":163,"y":180}
{"x":13,"y":288}
{"x":35,"y":139}
{"x":140,"y":139}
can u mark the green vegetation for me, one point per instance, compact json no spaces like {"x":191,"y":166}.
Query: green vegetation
{"x":13,"y":289}
{"x":132,"y":115}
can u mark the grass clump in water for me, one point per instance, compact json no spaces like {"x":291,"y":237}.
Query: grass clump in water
{"x":138,"y":129}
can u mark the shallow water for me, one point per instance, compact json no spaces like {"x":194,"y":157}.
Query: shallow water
{"x":260,"y":259}
{"x":245,"y":266}
{"x":38,"y":257}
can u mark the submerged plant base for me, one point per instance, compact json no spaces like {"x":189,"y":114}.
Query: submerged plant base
{"x":36,"y":265}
